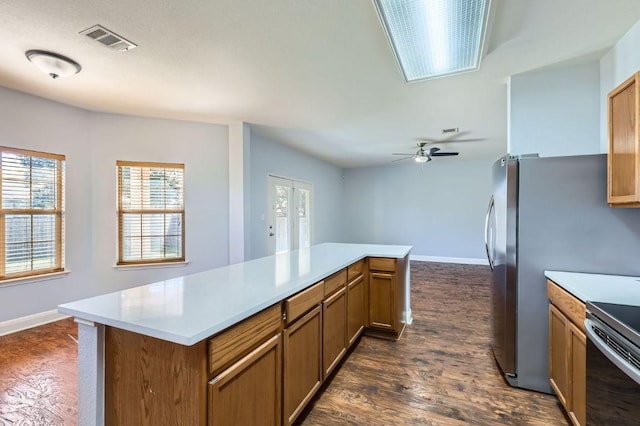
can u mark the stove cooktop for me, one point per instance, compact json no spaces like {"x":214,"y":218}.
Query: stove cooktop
{"x":625,"y":319}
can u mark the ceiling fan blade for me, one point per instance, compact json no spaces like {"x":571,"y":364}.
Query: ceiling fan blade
{"x":444,"y":154}
{"x":434,"y":149}
{"x":468,"y":140}
{"x":402,"y":153}
{"x":405,"y":158}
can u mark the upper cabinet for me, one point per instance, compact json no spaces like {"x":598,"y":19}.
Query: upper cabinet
{"x":623,"y":189}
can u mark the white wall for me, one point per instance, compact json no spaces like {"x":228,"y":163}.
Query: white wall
{"x":438,"y":208}
{"x":554,"y":112}
{"x":203,"y":148}
{"x":618,"y":64}
{"x":92,"y":142}
{"x":268,"y":157}
{"x":33,"y":123}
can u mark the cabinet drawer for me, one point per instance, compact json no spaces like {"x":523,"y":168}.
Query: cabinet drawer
{"x":355,"y":270}
{"x":302,"y":302}
{"x":335,"y":281}
{"x":569,"y":305}
{"x":240,"y":339}
{"x":382,"y":264}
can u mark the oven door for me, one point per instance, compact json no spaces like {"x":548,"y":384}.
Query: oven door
{"x":613,"y":377}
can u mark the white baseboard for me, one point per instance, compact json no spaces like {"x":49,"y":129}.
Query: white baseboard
{"x":462,"y":260}
{"x":30,"y":321}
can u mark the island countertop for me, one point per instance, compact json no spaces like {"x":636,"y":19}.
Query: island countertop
{"x":618,"y":289}
{"x":188,"y":309}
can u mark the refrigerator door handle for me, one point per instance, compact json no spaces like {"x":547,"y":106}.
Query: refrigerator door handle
{"x":486,"y":231}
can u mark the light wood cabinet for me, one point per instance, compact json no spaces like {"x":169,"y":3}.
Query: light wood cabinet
{"x":382,"y":294}
{"x":578,"y":375}
{"x":302,"y":363}
{"x":567,"y":351}
{"x":558,"y":354}
{"x":254,"y":372}
{"x":334,"y":334}
{"x":249,"y":392}
{"x":385,"y":296}
{"x":623,"y":189}
{"x":382,"y":300}
{"x":355,"y":309}
{"x":149,"y":381}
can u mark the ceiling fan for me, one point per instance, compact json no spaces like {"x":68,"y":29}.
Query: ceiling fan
{"x":424,"y":155}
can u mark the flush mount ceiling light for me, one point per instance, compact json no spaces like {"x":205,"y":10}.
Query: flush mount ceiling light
{"x":433,"y":38}
{"x":53,"y":64}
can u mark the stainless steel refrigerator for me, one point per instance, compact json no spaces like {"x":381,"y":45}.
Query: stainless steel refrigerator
{"x":548,"y":214}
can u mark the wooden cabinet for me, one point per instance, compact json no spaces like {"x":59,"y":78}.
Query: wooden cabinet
{"x":386,"y":286}
{"x":334,"y":335}
{"x":623,"y":189}
{"x":382,"y":300}
{"x":577,"y":372}
{"x":355,"y":309}
{"x":149,"y":381}
{"x":302,"y":363}
{"x":558,"y":354}
{"x":254,"y":372}
{"x":228,"y":346}
{"x":249,"y":392}
{"x":567,"y":351}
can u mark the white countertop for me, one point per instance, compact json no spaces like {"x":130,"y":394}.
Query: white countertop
{"x":599,"y":288}
{"x":188,"y":309}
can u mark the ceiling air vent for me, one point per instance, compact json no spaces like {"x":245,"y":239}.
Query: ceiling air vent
{"x":108,"y":38}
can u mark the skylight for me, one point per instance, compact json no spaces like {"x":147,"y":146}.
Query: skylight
{"x":432,"y":38}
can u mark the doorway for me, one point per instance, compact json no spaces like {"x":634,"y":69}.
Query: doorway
{"x":289,"y":206}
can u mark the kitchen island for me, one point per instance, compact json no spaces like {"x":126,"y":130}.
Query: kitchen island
{"x":159,"y":352}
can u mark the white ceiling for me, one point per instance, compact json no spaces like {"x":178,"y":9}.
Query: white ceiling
{"x":318,"y":75}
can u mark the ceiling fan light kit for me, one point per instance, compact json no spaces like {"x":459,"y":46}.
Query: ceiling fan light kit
{"x":53,"y":64}
{"x":422,"y":156}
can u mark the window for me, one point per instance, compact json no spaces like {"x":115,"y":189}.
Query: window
{"x":150,"y":212}
{"x":31,"y":213}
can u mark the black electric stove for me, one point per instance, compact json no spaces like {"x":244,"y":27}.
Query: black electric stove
{"x":613,"y":364}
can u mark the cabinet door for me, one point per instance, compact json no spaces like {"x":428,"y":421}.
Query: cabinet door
{"x":382,"y":303}
{"x":249,"y":392}
{"x":355,"y":309}
{"x":578,"y":375}
{"x":302,"y":363}
{"x":334,"y":336}
{"x":624,"y":156}
{"x":558,"y":355}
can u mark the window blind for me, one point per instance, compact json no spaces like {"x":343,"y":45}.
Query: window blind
{"x":31,"y":213}
{"x":150,"y":212}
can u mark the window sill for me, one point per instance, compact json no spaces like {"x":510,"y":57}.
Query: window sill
{"x":151,"y":265}
{"x":34,"y":278}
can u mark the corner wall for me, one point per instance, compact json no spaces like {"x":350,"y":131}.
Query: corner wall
{"x":438,"y":208}
{"x":270,"y":157}
{"x":92,"y":142}
{"x":618,"y":64}
{"x":554,"y":112}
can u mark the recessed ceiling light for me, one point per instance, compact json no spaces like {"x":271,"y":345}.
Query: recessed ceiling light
{"x":433,"y":38}
{"x":53,"y":64}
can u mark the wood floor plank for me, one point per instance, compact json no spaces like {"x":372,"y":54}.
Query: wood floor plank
{"x":38,"y":376}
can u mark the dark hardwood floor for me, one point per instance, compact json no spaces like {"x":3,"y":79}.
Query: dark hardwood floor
{"x":440,"y":372}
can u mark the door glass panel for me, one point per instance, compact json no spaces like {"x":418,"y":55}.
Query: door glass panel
{"x":304,"y":226}
{"x":282,"y":218}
